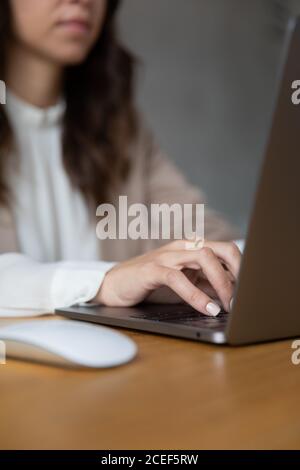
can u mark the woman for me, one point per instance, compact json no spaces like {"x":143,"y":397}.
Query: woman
{"x":70,"y":139}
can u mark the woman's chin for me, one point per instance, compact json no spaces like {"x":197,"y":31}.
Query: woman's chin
{"x":71,"y":57}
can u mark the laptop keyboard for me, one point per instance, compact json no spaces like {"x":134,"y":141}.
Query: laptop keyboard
{"x":183,"y":316}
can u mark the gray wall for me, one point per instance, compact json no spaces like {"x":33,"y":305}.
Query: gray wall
{"x":207,"y":86}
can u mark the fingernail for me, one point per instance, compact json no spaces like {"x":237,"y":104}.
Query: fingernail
{"x":213,"y":309}
{"x":231,"y":304}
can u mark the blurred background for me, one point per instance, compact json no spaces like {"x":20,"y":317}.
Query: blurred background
{"x":207,"y":84}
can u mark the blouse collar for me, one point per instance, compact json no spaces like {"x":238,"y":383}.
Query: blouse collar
{"x":24,"y":114}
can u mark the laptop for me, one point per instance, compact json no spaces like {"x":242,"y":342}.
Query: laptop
{"x":266,"y":305}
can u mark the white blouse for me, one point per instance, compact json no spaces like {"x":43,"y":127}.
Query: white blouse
{"x":58,"y":266}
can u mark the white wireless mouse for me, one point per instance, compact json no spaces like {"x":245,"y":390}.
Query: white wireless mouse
{"x":67,"y":343}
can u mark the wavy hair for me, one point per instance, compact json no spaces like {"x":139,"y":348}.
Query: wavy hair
{"x":100,"y":119}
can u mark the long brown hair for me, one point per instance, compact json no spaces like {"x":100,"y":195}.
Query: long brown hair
{"x":100,"y":120}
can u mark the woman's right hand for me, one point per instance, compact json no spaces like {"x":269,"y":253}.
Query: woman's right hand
{"x":215,"y":264}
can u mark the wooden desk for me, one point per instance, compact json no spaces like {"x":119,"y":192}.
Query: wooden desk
{"x":176,"y":394}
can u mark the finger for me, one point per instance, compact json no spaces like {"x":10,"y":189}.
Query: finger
{"x":217,"y":276}
{"x":207,"y":261}
{"x":229,"y":273}
{"x":180,"y":259}
{"x":186,"y":259}
{"x":178,"y":282}
{"x":175,"y":245}
{"x":229,"y":253}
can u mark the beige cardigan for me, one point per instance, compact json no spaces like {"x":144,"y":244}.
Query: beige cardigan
{"x":153,"y":179}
